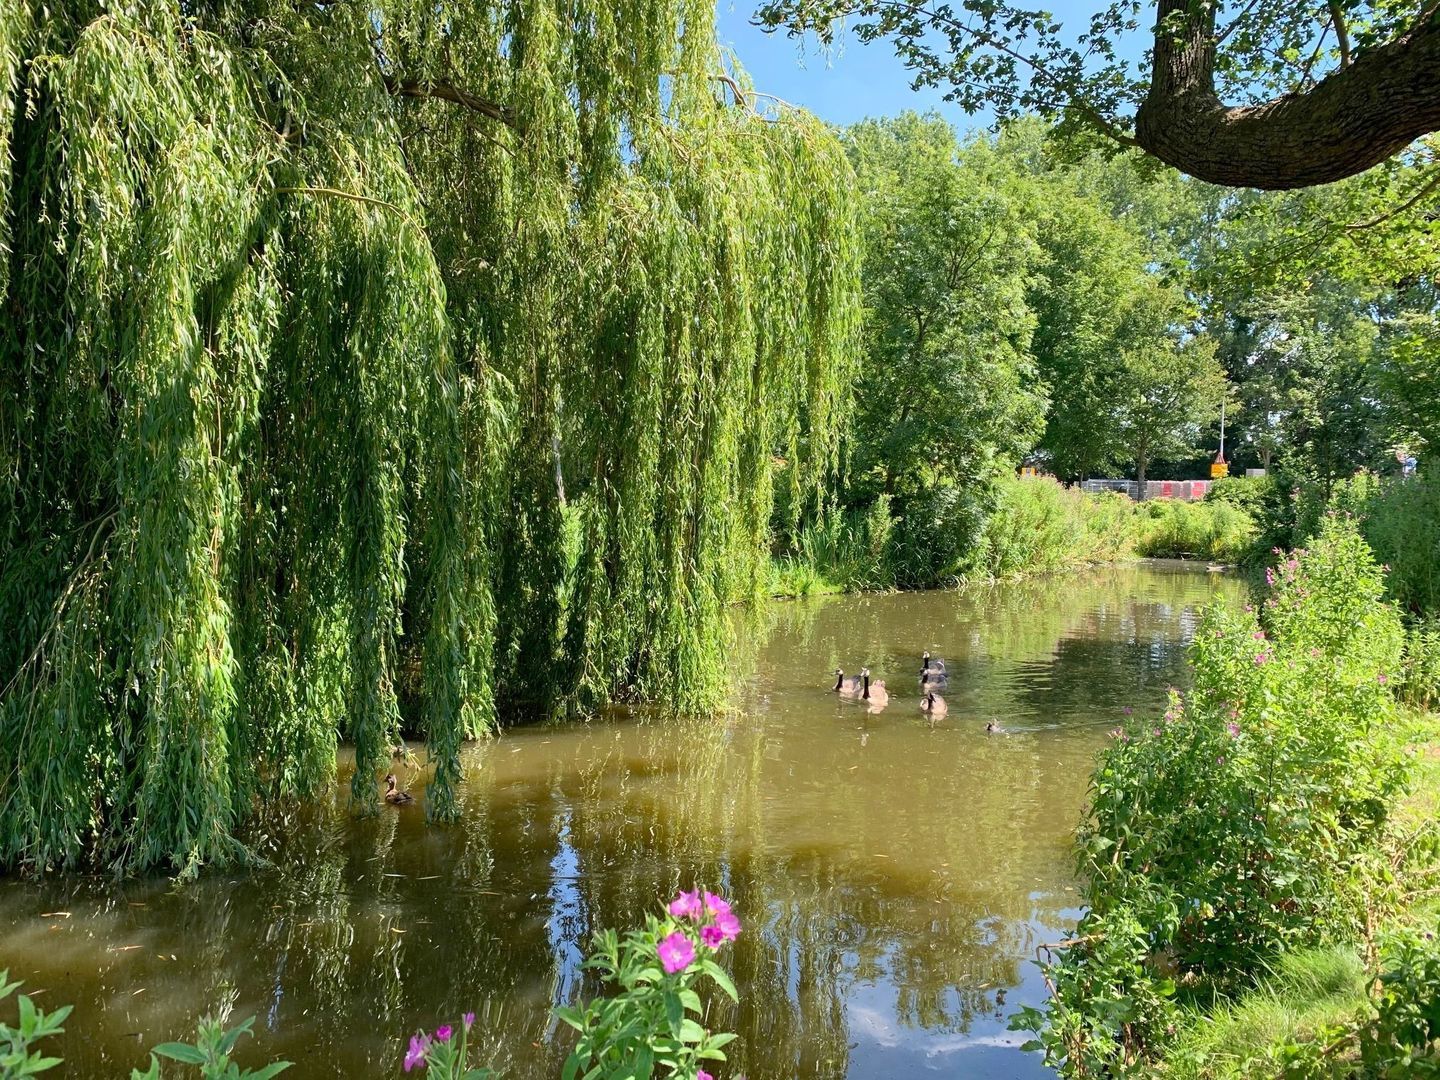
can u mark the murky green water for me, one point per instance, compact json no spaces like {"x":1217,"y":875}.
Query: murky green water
{"x":894,"y":876}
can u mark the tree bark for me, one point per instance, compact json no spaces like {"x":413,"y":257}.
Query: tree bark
{"x":1356,"y":117}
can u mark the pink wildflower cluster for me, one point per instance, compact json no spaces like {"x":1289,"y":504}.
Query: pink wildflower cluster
{"x":676,"y":950}
{"x":420,"y":1044}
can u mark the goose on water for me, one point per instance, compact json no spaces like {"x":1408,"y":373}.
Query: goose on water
{"x":932,"y":671}
{"x":874,"y":692}
{"x":850,"y":687}
{"x":933,"y":705}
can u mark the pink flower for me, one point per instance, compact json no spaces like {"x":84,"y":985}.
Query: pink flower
{"x":712,"y":936}
{"x":1126,"y":711}
{"x":701,"y":1074}
{"x":1157,"y":731}
{"x":716,"y":905}
{"x":1259,"y":635}
{"x":676,"y":952}
{"x":1234,"y":729}
{"x":443,"y":1033}
{"x":1383,"y":678}
{"x":1261,"y":659}
{"x":686,"y":905}
{"x":1269,"y":576}
{"x":468,"y":1019}
{"x":416,"y":1054}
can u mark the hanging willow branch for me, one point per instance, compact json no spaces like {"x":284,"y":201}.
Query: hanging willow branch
{"x":327,"y":433}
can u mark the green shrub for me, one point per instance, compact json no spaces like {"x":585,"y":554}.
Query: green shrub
{"x":1038,"y":525}
{"x":1216,"y":530}
{"x":1420,"y":667}
{"x":1401,"y":520}
{"x":1401,"y":1039}
{"x":937,"y":535}
{"x":1252,"y":494}
{"x":1227,"y":831}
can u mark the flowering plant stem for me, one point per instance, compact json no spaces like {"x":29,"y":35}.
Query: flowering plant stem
{"x":652,"y":1026}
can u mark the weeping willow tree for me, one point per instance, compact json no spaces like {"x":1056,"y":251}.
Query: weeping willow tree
{"x":381,"y":367}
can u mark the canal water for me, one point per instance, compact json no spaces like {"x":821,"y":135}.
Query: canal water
{"x":894,"y":875}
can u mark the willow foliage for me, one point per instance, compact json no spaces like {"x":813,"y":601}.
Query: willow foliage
{"x":381,"y":367}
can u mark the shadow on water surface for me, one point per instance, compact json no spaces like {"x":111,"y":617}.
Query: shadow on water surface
{"x":894,"y":876}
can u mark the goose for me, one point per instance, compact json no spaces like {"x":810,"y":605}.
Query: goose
{"x":874,"y":692}
{"x":932,"y":669}
{"x":850,"y":687}
{"x":933,"y":705}
{"x":393,"y":797}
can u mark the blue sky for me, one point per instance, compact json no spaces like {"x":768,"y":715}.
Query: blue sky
{"x":855,"y":80}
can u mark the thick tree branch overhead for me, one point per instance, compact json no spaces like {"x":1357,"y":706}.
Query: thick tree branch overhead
{"x":1357,"y":116}
{"x":1237,"y":92}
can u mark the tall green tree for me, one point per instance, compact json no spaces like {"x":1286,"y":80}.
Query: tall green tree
{"x":947,"y":397}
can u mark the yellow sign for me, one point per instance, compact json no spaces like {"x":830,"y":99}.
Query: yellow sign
{"x":1219,"y":469}
{"x":1028,"y":470}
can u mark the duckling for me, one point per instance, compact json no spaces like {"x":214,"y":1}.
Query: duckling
{"x":393,"y":797}
{"x":850,"y":687}
{"x":994,"y":728}
{"x":933,"y":705}
{"x":874,"y":693}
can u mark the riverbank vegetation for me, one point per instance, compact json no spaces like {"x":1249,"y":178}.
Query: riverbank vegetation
{"x":1251,"y":851}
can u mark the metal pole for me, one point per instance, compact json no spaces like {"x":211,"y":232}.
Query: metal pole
{"x":1222,"y":430}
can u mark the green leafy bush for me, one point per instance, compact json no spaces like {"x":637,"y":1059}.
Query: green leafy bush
{"x":1255,"y":495}
{"x":937,"y":535}
{"x":1039,"y":525}
{"x":1420,"y":674}
{"x":1403,"y":1038}
{"x":1229,"y":829}
{"x":1217,"y":530}
{"x":1402,"y":523}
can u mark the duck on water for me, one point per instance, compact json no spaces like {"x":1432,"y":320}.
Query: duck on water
{"x":394,"y":797}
